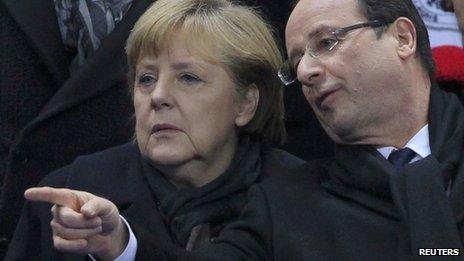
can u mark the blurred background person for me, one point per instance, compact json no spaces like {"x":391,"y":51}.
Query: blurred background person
{"x":458,"y":8}
{"x":445,"y":24}
{"x":208,"y":105}
{"x":450,"y":58}
{"x":62,"y":89}
{"x":441,"y":22}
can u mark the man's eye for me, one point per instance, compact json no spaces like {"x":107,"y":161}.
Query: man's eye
{"x":325,"y":44}
{"x":146,"y":80}
{"x":189,"y":79}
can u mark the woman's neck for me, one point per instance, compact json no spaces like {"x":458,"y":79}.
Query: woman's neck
{"x":201,"y":170}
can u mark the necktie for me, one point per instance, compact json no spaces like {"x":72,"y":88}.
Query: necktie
{"x":401,"y":157}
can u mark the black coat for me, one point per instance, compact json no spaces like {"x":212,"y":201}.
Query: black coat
{"x":354,"y":206}
{"x":301,"y":216}
{"x":115,"y":174}
{"x":47,"y":117}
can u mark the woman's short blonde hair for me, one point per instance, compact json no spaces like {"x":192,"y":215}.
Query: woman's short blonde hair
{"x":234,"y":36}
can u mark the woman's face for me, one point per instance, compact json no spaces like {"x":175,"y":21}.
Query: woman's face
{"x":185,"y":108}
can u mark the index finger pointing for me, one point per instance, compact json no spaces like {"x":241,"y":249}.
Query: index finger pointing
{"x":59,"y":196}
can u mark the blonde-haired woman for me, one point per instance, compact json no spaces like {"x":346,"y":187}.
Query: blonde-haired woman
{"x":207,"y":106}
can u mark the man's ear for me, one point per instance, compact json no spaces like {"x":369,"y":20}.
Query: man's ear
{"x":405,"y":33}
{"x":247,"y":106}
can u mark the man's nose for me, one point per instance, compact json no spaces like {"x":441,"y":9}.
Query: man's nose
{"x":310,"y":71}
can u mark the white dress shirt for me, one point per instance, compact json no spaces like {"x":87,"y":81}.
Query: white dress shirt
{"x":419,"y":144}
{"x":131,"y":248}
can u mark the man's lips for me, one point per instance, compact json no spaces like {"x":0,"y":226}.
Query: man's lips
{"x":164,"y":127}
{"x":324,"y":94}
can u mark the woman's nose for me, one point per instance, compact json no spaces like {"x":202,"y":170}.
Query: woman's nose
{"x":162,"y":96}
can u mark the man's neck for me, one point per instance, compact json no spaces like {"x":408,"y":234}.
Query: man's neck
{"x":419,"y":143}
{"x":413,"y":116}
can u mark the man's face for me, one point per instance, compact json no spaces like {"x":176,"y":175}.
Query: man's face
{"x":353,"y":89}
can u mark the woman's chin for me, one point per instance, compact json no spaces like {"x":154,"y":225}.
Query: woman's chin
{"x":166,"y":158}
{"x":168,"y":151}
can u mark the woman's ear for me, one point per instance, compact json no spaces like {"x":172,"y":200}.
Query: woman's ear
{"x":405,"y":33}
{"x":247,"y":106}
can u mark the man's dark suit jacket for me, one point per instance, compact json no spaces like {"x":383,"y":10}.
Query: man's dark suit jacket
{"x":48,"y":117}
{"x":298,"y":217}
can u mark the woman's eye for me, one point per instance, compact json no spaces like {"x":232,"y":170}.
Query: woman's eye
{"x":189,"y":79}
{"x":146,"y":80}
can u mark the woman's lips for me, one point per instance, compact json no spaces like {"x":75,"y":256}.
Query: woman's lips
{"x":164,"y":128}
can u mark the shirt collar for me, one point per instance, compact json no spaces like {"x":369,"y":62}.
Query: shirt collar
{"x":419,"y":144}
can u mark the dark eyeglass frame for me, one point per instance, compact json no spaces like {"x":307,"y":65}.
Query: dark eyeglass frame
{"x":287,"y":73}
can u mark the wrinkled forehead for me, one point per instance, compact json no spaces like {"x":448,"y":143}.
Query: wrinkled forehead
{"x":198,"y":45}
{"x":308,"y":16}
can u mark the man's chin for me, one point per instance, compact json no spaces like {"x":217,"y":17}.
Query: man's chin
{"x":341,"y":134}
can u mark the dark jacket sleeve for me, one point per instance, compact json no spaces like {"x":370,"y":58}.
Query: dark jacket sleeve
{"x":33,"y":236}
{"x":106,"y":174}
{"x":26,"y":238}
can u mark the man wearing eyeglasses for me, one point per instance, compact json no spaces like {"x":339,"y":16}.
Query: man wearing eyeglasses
{"x":395,"y":187}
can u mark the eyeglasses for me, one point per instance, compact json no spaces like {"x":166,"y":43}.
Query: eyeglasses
{"x":322,"y":42}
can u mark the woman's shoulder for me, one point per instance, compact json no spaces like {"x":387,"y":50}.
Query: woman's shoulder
{"x":111,"y":166}
{"x":114,"y":155}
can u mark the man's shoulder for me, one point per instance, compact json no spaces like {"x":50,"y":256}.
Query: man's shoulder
{"x":305,"y":177}
{"x":277,"y":158}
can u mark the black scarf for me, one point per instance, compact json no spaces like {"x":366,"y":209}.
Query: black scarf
{"x":417,"y":195}
{"x":213,"y":204}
